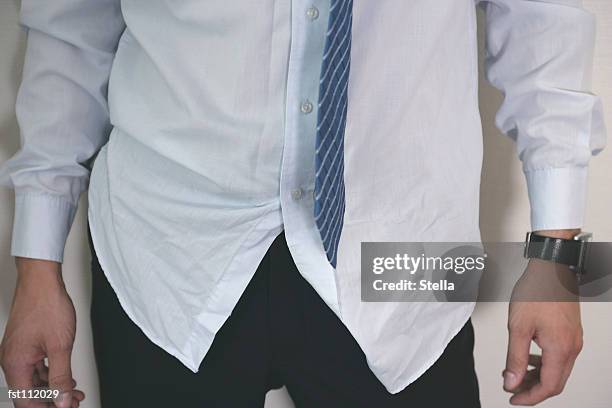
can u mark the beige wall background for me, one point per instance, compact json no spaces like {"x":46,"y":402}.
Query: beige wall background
{"x":504,"y":214}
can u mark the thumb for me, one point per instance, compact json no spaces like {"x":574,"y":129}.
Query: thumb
{"x":60,"y":378}
{"x":517,"y":359}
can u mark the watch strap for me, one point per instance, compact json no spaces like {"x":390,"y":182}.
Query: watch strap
{"x":558,"y":250}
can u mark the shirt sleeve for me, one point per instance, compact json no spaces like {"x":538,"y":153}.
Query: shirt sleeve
{"x":539,"y":53}
{"x":63,"y":117}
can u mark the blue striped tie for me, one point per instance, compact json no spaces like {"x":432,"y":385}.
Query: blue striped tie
{"x":331,"y":121}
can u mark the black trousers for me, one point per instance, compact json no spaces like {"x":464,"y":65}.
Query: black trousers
{"x":280,"y":333}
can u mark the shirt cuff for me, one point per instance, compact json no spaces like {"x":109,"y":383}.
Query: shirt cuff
{"x":41,"y":226}
{"x":557,"y":197}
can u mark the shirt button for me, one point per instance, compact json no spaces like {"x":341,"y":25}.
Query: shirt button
{"x":306,"y":107}
{"x":296,"y":194}
{"x":312,"y":13}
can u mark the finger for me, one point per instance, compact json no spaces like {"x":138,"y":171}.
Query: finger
{"x":531,"y":378}
{"x":517,"y":358}
{"x":78,"y":395}
{"x":554,"y":364}
{"x":575,"y":347}
{"x":568,"y":368}
{"x":20,"y":376}
{"x":60,"y":377}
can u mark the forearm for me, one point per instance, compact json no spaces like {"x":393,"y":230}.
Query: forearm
{"x":63,"y":117}
{"x":540,"y":54}
{"x":38,"y":272}
{"x":562,"y":233}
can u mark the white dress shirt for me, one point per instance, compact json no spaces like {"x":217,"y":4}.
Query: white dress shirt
{"x":212,"y":107}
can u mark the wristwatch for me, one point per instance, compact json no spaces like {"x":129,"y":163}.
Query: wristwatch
{"x":570,"y":252}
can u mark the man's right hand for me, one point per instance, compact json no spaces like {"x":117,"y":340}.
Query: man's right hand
{"x":41,"y":325}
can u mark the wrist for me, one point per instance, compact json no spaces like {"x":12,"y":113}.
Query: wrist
{"x":38,"y":273}
{"x":563,"y":233}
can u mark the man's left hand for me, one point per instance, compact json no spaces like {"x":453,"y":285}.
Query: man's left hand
{"x":556,"y":329}
{"x":555,"y":326}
